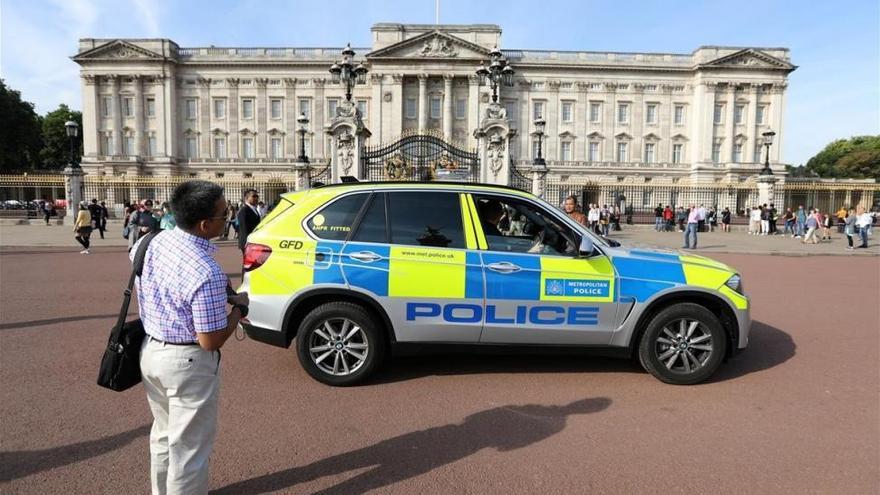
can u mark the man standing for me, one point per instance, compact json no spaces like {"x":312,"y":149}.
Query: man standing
{"x":182,"y":298}
{"x":248,"y":217}
{"x":571,"y":209}
{"x":693,"y":222}
{"x":96,"y":213}
{"x":800,"y":221}
{"x":658,"y":217}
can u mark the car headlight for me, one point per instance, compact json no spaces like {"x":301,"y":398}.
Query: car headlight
{"x":735,"y":283}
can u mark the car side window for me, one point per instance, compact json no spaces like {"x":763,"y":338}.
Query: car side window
{"x":335,"y":220}
{"x":426,"y":219}
{"x":516,"y":226}
{"x":372,"y":226}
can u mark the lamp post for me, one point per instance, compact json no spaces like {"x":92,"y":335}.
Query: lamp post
{"x":303,"y":121}
{"x":72,"y":129}
{"x":539,"y":133}
{"x":768,"y":141}
{"x":346,"y":72}
{"x":498,"y":71}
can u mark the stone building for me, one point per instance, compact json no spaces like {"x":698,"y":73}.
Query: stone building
{"x":151,"y":107}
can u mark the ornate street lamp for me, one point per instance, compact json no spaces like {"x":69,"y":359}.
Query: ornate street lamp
{"x":72,"y":129}
{"x":346,"y":72}
{"x":768,"y":141}
{"x":539,"y":133}
{"x":303,"y":121}
{"x":499,"y":71}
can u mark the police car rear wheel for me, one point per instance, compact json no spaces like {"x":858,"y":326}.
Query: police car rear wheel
{"x":339,"y":344}
{"x":683,"y":344}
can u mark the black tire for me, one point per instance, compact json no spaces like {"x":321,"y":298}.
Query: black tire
{"x":309,"y":337}
{"x":691,"y":362}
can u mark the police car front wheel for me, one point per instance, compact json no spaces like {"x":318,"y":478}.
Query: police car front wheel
{"x":339,"y":343}
{"x":683,"y":344}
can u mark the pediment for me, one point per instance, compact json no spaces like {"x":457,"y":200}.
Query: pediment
{"x":432,"y":45}
{"x":623,"y":136}
{"x":117,"y":50}
{"x":749,"y":58}
{"x":567,"y":135}
{"x":651,"y":137}
{"x":679,"y":137}
{"x":595,"y":135}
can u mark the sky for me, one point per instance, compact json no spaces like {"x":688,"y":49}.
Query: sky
{"x":834,"y":93}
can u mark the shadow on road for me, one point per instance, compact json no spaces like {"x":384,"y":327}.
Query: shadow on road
{"x":409,"y":455}
{"x":768,"y":347}
{"x":68,"y":319}
{"x":26,"y":462}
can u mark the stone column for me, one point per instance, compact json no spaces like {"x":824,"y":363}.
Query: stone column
{"x":232,"y":141}
{"x":766,"y":185}
{"x":117,"y":115}
{"x":777,"y":94}
{"x":395,"y":127}
{"x":423,"y":102}
{"x":302,"y":172}
{"x":290,"y":116}
{"x":694,"y":119}
{"x":493,"y":145}
{"x":447,"y":106}
{"x":539,"y":179}
{"x":139,"y":148}
{"x":161,"y":121}
{"x":375,"y":105}
{"x":73,"y":185}
{"x":751,"y":127}
{"x":261,"y":117}
{"x":730,"y":124}
{"x":204,"y":122}
{"x":525,"y":119}
{"x":318,"y":121}
{"x":347,"y":136}
{"x":473,"y":118}
{"x":91,"y":108}
{"x":551,"y":115}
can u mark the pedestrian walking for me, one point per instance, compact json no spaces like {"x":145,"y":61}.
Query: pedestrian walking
{"x":248,"y":217}
{"x":812,"y":225}
{"x":800,"y":218}
{"x":593,"y":218}
{"x":95,"y":214}
{"x":570,"y":206}
{"x":48,"y":210}
{"x":755,"y":221}
{"x":765,"y":219}
{"x":142,"y":221}
{"x":83,"y":227}
{"x":827,"y":223}
{"x":725,"y":220}
{"x":167,"y":222}
{"x":681,"y":218}
{"x":863,"y":222}
{"x":658,"y":218}
{"x":105,"y":215}
{"x":849,"y":228}
{"x":712,"y":219}
{"x":693,"y":226}
{"x":788,"y":222}
{"x":182,"y":299}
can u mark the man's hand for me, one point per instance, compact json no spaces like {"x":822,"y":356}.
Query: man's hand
{"x":240,"y":298}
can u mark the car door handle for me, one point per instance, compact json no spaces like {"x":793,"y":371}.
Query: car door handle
{"x":365,"y":256}
{"x":503,"y":267}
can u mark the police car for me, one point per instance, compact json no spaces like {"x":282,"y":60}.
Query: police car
{"x":350,"y":270}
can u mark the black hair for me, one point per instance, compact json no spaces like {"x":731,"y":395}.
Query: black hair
{"x":194,"y":201}
{"x":248,"y":192}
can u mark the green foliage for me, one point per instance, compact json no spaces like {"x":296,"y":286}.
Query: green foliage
{"x":20,"y":133}
{"x":56,"y":145}
{"x":857,"y":157}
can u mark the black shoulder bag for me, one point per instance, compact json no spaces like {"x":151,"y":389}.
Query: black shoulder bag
{"x":120,"y":366}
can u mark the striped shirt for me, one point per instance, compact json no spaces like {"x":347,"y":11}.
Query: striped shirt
{"x":182,"y":289}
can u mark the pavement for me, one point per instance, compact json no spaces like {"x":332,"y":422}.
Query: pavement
{"x":796,"y":412}
{"x":737,"y":241}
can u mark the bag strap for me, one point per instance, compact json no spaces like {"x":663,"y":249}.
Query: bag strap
{"x":137,"y":269}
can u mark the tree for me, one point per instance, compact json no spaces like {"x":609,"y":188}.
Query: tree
{"x":56,"y":145}
{"x":20,"y":133}
{"x":856,"y":158}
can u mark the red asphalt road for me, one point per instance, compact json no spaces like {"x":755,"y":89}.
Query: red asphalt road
{"x":796,"y":413}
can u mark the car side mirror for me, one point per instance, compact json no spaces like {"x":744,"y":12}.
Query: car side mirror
{"x":612,"y":243}
{"x":586,"y":248}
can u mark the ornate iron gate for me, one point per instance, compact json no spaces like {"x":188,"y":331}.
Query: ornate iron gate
{"x":420,"y":157}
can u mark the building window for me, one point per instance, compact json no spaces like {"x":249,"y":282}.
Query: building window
{"x":537,"y":110}
{"x":332,"y":105}
{"x":276,"y":150}
{"x":719,"y":114}
{"x":191,"y":109}
{"x":738,"y":114}
{"x":595,"y":112}
{"x":192,"y":149}
{"x":128,"y":142}
{"x":106,"y":145}
{"x":510,"y":106}
{"x":567,"y":111}
{"x":623,"y":113}
{"x":759,"y":154}
{"x":362,"y":108}
{"x":649,"y":152}
{"x":410,"y":108}
{"x":219,"y":147}
{"x":678,"y":115}
{"x":151,"y":146}
{"x":535,"y":148}
{"x":716,"y":152}
{"x":651,"y":114}
{"x":106,"y":106}
{"x":676,"y":153}
{"x":737,"y":153}
{"x":219,"y":108}
{"x":565,"y":151}
{"x":247,"y":147}
{"x":460,"y":108}
{"x":762,"y":109}
{"x":308,"y":145}
{"x":621,"y":152}
{"x":128,"y":106}
{"x":593,"y":152}
{"x":275,"y":108}
{"x":435,"y":107}
{"x":305,"y":107}
{"x":247,"y":108}
{"x":647,"y":197}
{"x":151,"y":107}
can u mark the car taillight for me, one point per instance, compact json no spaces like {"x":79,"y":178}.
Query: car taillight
{"x":255,"y":255}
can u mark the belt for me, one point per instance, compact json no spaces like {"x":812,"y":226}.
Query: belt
{"x":172,"y":343}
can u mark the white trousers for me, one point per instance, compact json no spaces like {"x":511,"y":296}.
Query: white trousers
{"x":183,"y":386}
